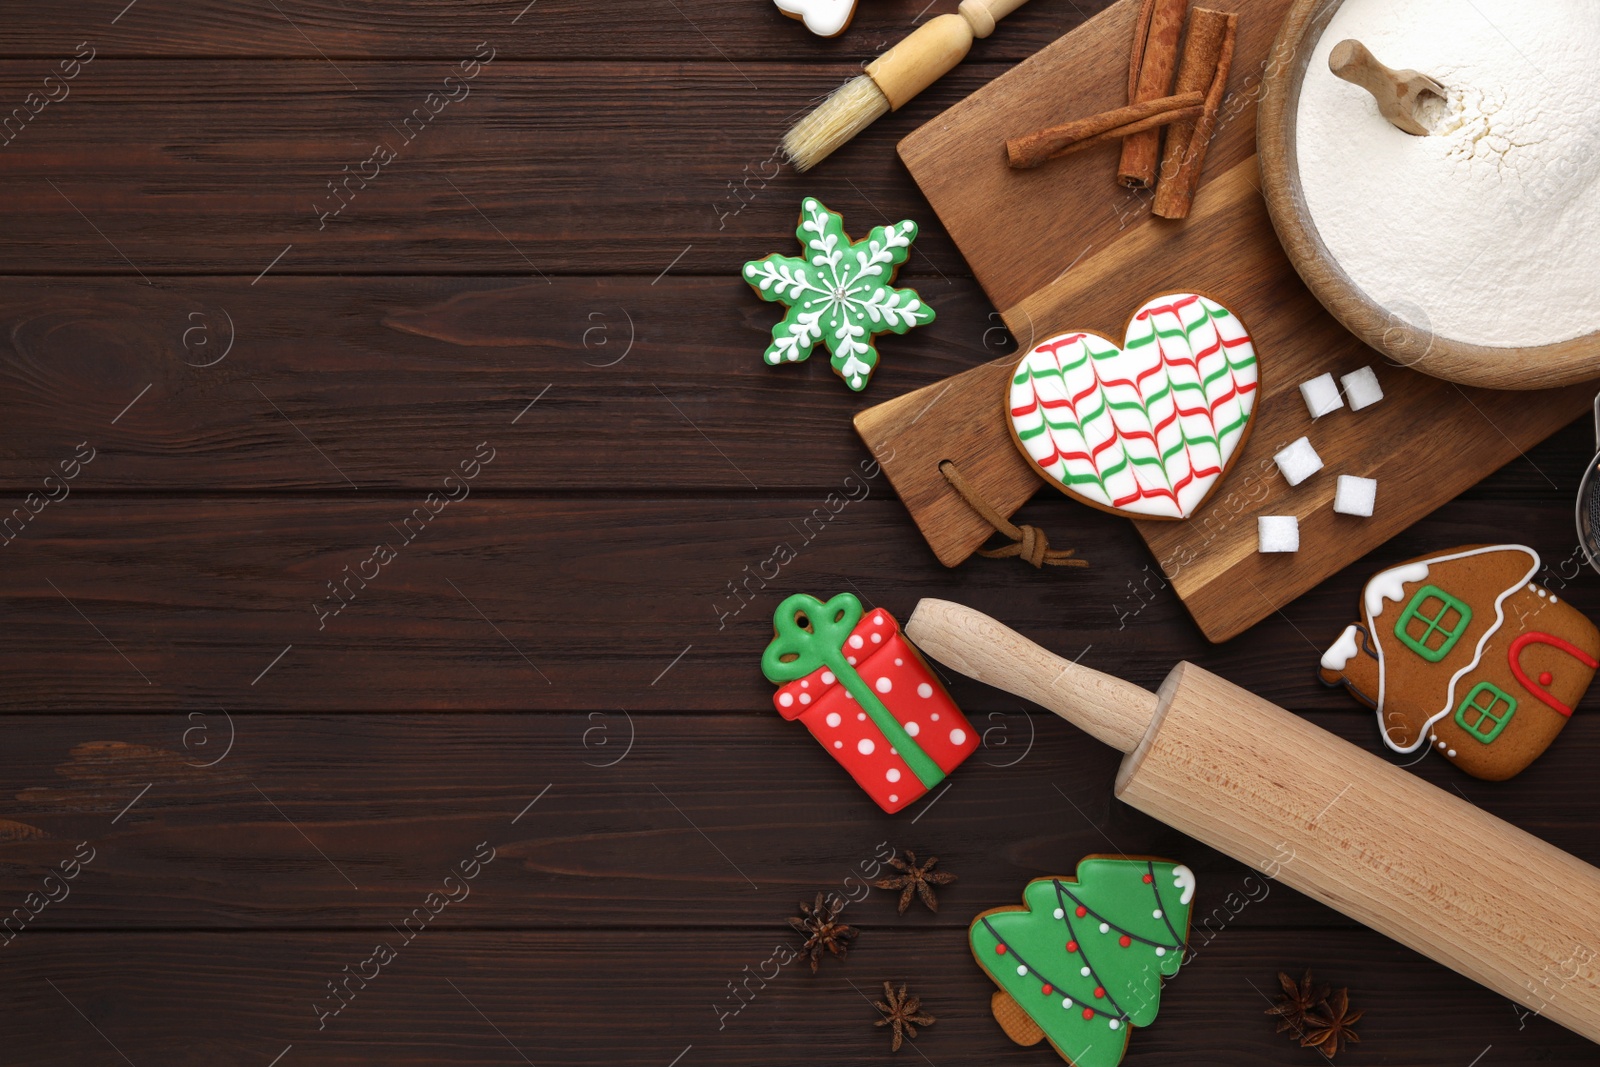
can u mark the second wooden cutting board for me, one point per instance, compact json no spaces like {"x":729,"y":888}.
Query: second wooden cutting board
{"x":1064,"y":247}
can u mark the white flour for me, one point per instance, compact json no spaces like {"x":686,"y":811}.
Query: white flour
{"x":1487,"y":231}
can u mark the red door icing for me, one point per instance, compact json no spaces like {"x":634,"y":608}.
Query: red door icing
{"x":1536,"y":686}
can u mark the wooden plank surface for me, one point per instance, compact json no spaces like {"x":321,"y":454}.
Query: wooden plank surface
{"x":481,"y":998}
{"x":640,"y":384}
{"x":268,"y":796}
{"x":1091,"y":252}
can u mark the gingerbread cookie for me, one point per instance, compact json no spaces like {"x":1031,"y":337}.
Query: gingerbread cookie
{"x":1462,"y":652}
{"x":839,"y":293}
{"x":1146,"y":430}
{"x":1081,"y":962}
{"x":825,"y":18}
{"x":866,"y":695}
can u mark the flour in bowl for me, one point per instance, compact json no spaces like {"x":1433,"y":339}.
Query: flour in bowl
{"x":1487,"y":231}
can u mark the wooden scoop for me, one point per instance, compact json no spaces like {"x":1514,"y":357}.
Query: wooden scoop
{"x":1344,"y":827}
{"x":1404,"y":96}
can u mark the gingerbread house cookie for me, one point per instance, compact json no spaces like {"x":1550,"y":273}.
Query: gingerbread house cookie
{"x":1464,"y":653}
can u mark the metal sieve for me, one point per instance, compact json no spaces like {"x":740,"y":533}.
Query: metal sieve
{"x":1589,"y":500}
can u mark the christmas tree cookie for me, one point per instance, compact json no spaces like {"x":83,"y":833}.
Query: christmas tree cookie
{"x":1146,"y":430}
{"x":1464,"y":653}
{"x":1081,"y":962}
{"x":866,"y":695}
{"x":838,"y":293}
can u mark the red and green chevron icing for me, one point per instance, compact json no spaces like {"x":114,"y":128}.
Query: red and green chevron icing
{"x":1147,"y":428}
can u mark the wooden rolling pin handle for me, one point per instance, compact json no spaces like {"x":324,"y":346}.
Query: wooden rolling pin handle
{"x":1108,"y":709}
{"x":933,"y":49}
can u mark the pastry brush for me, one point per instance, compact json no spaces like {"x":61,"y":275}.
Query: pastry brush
{"x":892,"y":80}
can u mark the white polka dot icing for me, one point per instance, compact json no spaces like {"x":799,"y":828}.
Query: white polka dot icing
{"x":912,"y":729}
{"x":827,"y":678}
{"x":833,"y":719}
{"x":883,"y":685}
{"x":855,"y":641}
{"x":865,"y":746}
{"x":924,"y":690}
{"x":805,"y":698}
{"x":958,"y":736}
{"x":785,"y":699}
{"x":893,"y":774}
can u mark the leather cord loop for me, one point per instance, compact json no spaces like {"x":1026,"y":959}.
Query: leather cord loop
{"x":1028,"y":543}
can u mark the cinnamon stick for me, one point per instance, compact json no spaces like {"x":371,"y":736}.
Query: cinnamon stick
{"x":1046,"y":144}
{"x":1152,"y":63}
{"x":1207,"y":54}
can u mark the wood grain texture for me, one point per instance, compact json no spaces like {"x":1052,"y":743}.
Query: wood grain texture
{"x":710,"y":31}
{"x":552,"y":997}
{"x":640,"y":384}
{"x":624,"y":150}
{"x":202,"y":166}
{"x":559,"y":603}
{"x":1088,"y":268}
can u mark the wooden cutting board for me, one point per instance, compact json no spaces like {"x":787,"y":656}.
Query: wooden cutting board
{"x":1065,"y":247}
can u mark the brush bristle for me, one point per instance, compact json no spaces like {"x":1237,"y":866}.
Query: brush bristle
{"x":851,"y":108}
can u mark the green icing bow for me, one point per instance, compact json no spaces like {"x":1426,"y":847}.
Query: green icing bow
{"x":797,"y":650}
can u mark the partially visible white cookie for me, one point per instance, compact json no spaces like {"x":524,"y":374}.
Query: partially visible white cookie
{"x":825,"y":18}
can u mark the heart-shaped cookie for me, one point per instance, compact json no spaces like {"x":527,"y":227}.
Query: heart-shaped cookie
{"x":825,"y":18}
{"x":1146,"y":430}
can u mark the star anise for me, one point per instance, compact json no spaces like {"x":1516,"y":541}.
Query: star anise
{"x":816,"y":922}
{"x":1297,"y":1003}
{"x":901,"y":1012}
{"x":1332,"y":1025}
{"x":918,"y":880}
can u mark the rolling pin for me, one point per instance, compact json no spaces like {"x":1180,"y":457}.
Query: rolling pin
{"x":1428,"y":869}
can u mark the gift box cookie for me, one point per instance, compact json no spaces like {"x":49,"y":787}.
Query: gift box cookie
{"x":1463,"y":652}
{"x":866,"y":695}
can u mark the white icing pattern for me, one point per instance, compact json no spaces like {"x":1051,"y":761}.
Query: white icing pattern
{"x":1391,"y":585}
{"x":1395,"y":591}
{"x":825,"y":18}
{"x":1341,"y":651}
{"x":1183,"y":878}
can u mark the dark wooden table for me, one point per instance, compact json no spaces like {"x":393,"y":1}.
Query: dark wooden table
{"x":277,"y":742}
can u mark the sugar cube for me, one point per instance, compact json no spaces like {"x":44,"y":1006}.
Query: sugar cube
{"x":1299,"y":461}
{"x":1278,"y":533}
{"x":1361,"y":388}
{"x":1355,"y":496}
{"x":1321,"y":395}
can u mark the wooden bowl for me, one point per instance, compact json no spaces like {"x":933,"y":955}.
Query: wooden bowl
{"x":1407,"y":342}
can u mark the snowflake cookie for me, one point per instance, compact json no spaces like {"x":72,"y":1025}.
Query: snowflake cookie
{"x":839,"y":293}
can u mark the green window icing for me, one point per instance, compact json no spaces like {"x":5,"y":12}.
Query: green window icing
{"x":1485,"y":711}
{"x":1432,"y":623}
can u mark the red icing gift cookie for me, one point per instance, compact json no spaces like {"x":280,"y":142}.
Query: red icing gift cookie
{"x":866,"y":695}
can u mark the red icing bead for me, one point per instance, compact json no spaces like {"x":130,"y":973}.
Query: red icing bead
{"x":1545,"y":677}
{"x":1099,"y":990}
{"x":1082,"y":911}
{"x":1072,"y":946}
{"x":1000,"y":950}
{"x":1125,"y":941}
{"x":1148,"y":879}
{"x":1046,"y":989}
{"x":1088,"y":1013}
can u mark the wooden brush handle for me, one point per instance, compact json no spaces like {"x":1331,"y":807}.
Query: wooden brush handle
{"x":1106,"y":708}
{"x":934,"y":48}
